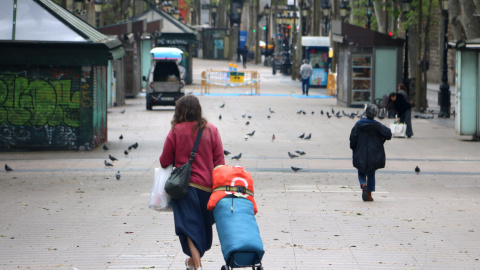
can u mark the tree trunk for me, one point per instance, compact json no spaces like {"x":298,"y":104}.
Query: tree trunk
{"x":316,"y":13}
{"x":412,"y":59}
{"x":221,"y":20}
{"x":454,"y":19}
{"x":381,"y":16}
{"x":426,"y":54}
{"x":469,"y":22}
{"x":197,"y":18}
{"x":418,"y":77}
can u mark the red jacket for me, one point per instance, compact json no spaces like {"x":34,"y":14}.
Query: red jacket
{"x":179,"y":144}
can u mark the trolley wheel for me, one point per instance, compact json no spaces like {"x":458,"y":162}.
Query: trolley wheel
{"x":224,"y":267}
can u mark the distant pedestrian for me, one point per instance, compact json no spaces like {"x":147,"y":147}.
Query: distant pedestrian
{"x":404,"y":111}
{"x":366,"y":140}
{"x":401,"y":89}
{"x":306,"y":72}
{"x":245,"y":56}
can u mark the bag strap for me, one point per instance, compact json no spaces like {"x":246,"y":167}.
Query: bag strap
{"x":195,"y":146}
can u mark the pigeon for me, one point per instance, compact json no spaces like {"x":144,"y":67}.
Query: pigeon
{"x":121,"y":137}
{"x":309,"y":136}
{"x":344,"y":113}
{"x":329,"y":116}
{"x":123,"y":111}
{"x":112,"y":158}
{"x":301,"y":136}
{"x":107,"y":164}
{"x":338,"y":115}
{"x":220,"y":117}
{"x":270,"y":110}
{"x":105,"y":147}
{"x":130,"y":148}
{"x":299,"y":112}
{"x":225,"y":152}
{"x":237,"y":157}
{"x":304,"y":112}
{"x":118,"y":175}
{"x":313,"y":112}
{"x":249,"y":117}
{"x":295,"y":169}
{"x":333,"y":111}
{"x":125,"y":152}
{"x":135,"y":145}
{"x":247,"y":123}
{"x":300,"y":152}
{"x":292,"y":155}
{"x":7,"y":168}
{"x":417,"y":170}
{"x":243,"y":115}
{"x":273,"y":137}
{"x":223,"y":105}
{"x":251,"y":133}
{"x":321,"y":112}
{"x":268,"y":116}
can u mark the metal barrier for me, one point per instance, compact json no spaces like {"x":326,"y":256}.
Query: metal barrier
{"x":332,"y":84}
{"x":230,"y":79}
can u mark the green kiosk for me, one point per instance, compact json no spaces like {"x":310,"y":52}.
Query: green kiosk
{"x":369,"y":64}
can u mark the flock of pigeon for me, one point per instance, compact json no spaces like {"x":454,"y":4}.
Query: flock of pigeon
{"x":112,"y":158}
{"x":237,"y":157}
{"x":302,"y":136}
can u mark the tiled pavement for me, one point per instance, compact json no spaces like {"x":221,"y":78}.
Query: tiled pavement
{"x":64,"y":210}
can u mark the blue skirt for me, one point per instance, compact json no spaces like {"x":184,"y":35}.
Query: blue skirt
{"x":193,"y":220}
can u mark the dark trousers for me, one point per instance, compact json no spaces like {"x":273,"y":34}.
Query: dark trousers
{"x":368,"y":179}
{"x":305,"y":86}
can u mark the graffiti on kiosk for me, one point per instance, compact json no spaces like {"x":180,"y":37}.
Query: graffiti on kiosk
{"x":41,"y":101}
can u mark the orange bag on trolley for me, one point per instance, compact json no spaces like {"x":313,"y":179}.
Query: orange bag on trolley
{"x":228,"y":180}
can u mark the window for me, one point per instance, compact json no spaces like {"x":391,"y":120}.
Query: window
{"x":361,"y":79}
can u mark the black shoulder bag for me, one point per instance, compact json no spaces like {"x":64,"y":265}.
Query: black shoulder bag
{"x":177,"y":184}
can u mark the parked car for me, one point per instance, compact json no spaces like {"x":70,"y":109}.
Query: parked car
{"x":165,"y":80}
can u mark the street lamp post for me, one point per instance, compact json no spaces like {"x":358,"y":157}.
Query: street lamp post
{"x":214,"y":14}
{"x":406,"y":80}
{"x":369,"y":6}
{"x":326,"y":12}
{"x":305,"y":10}
{"x":444,"y":95}
{"x":266,"y":11}
{"x":344,"y":9}
{"x":239,"y":11}
{"x":79,"y":6}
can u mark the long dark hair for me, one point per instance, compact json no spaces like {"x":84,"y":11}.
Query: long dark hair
{"x":188,"y":109}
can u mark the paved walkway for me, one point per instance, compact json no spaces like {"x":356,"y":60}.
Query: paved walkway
{"x":65,"y":210}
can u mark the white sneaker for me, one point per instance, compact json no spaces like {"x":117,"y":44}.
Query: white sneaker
{"x":200,"y":268}
{"x":188,"y":266}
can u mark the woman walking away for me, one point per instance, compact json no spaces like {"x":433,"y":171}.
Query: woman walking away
{"x":193,"y":222}
{"x":366,"y":141}
{"x":404,"y":111}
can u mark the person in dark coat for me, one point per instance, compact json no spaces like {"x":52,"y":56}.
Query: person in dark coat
{"x":366,"y":141}
{"x":404,"y":111}
{"x":245,"y":56}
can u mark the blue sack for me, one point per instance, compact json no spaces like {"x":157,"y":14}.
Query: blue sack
{"x":238,"y":232}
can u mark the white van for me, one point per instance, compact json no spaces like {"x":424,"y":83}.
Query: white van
{"x":164,"y":82}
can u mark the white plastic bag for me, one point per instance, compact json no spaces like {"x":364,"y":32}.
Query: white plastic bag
{"x":398,"y":130}
{"x":159,"y":199}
